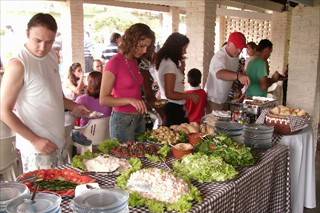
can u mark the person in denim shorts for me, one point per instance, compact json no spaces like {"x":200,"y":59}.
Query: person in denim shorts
{"x":122,"y":83}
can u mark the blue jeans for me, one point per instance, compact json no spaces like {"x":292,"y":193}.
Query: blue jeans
{"x":125,"y":126}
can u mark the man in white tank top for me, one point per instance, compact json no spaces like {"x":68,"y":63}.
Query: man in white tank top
{"x":31,"y":85}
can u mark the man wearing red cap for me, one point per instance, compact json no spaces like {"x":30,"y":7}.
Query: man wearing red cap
{"x":223,"y":71}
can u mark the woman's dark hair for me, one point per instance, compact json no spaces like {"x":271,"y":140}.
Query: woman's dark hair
{"x":194,"y":77}
{"x":114,"y":37}
{"x":172,"y":49}
{"x":43,"y":19}
{"x":263,"y":44}
{"x":94,"y":84}
{"x":252,"y":44}
{"x":133,"y":35}
{"x":74,"y":79}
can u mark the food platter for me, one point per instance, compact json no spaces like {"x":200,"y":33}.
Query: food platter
{"x":60,"y":181}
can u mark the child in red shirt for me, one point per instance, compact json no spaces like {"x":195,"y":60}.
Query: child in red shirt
{"x":196,"y":111}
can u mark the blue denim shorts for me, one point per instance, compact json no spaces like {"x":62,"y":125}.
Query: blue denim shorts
{"x":125,"y":126}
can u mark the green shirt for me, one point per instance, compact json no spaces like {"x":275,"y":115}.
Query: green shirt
{"x":256,"y":70}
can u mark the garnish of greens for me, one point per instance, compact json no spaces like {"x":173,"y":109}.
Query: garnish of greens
{"x":135,"y":199}
{"x":107,"y":145}
{"x":204,"y":168}
{"x":183,"y":138}
{"x":56,"y":185}
{"x":221,"y":145}
{"x":146,"y":136}
{"x":78,"y":161}
{"x":161,"y":154}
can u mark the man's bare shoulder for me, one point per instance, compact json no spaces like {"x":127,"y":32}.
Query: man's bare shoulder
{"x":15,"y":66}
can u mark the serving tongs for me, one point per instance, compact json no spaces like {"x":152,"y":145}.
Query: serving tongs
{"x":115,"y":172}
{"x":31,"y":178}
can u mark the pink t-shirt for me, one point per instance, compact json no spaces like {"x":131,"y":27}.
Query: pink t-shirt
{"x":128,"y":80}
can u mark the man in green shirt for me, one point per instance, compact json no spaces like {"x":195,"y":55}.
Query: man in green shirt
{"x":258,"y":71}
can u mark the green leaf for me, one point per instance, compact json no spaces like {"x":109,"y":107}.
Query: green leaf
{"x":79,"y":160}
{"x":107,"y":145}
{"x":164,"y":151}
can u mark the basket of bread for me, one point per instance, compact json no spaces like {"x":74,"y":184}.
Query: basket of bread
{"x":287,"y":120}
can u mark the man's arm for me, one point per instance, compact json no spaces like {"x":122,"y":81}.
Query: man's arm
{"x":76,"y":109}
{"x":11,"y":85}
{"x":229,"y":75}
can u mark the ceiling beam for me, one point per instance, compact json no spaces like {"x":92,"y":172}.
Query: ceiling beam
{"x":256,"y":5}
{"x":133,"y":5}
{"x":304,"y":2}
{"x":243,"y":14}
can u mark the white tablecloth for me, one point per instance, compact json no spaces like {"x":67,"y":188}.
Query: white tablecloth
{"x":302,"y":169}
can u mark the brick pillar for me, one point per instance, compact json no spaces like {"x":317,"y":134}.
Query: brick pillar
{"x":175,"y":12}
{"x":73,"y":32}
{"x":280,"y":32}
{"x":304,"y":61}
{"x":200,"y":21}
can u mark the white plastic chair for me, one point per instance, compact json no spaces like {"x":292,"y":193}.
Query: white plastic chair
{"x":96,"y":130}
{"x":8,"y":158}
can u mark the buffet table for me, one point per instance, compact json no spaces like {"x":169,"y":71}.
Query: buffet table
{"x":302,"y":169}
{"x":264,"y":187}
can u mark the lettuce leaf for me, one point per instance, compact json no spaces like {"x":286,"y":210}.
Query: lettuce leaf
{"x":122,"y":180}
{"x":204,"y":168}
{"x":107,"y":145}
{"x":79,"y":160}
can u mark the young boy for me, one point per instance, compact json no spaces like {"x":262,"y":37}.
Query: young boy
{"x":196,"y":111}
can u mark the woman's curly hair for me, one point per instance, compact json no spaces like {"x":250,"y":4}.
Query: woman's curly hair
{"x":133,"y":35}
{"x":172,"y":48}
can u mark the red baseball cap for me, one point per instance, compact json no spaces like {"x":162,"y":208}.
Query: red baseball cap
{"x":238,"y":39}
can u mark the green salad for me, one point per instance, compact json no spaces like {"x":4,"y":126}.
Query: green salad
{"x":231,"y":152}
{"x":204,"y":168}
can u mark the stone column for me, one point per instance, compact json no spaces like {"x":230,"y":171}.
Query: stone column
{"x":200,"y":21}
{"x":304,"y":61}
{"x":73,"y":32}
{"x":280,"y":32}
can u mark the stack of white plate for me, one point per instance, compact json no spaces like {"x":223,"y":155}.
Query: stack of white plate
{"x":42,"y":203}
{"x":10,"y":191}
{"x":101,"y":200}
{"x":258,"y":136}
{"x":233,"y":129}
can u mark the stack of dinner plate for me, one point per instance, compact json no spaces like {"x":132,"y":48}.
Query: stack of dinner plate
{"x":43,"y":202}
{"x":101,"y":200}
{"x":10,"y":191}
{"x":258,"y":135}
{"x":233,"y":129}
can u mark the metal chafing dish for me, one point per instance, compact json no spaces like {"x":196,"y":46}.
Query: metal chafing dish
{"x":257,"y":104}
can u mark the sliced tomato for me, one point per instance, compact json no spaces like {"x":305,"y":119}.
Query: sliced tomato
{"x":60,"y":174}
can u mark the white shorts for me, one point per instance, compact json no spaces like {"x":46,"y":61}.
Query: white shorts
{"x":34,"y":161}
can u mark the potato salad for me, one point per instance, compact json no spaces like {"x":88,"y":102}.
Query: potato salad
{"x":154,"y":183}
{"x":106,"y":164}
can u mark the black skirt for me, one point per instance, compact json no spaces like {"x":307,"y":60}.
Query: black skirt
{"x":175,"y":114}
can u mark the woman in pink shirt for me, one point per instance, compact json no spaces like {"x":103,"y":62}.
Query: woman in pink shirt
{"x":122,"y":83}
